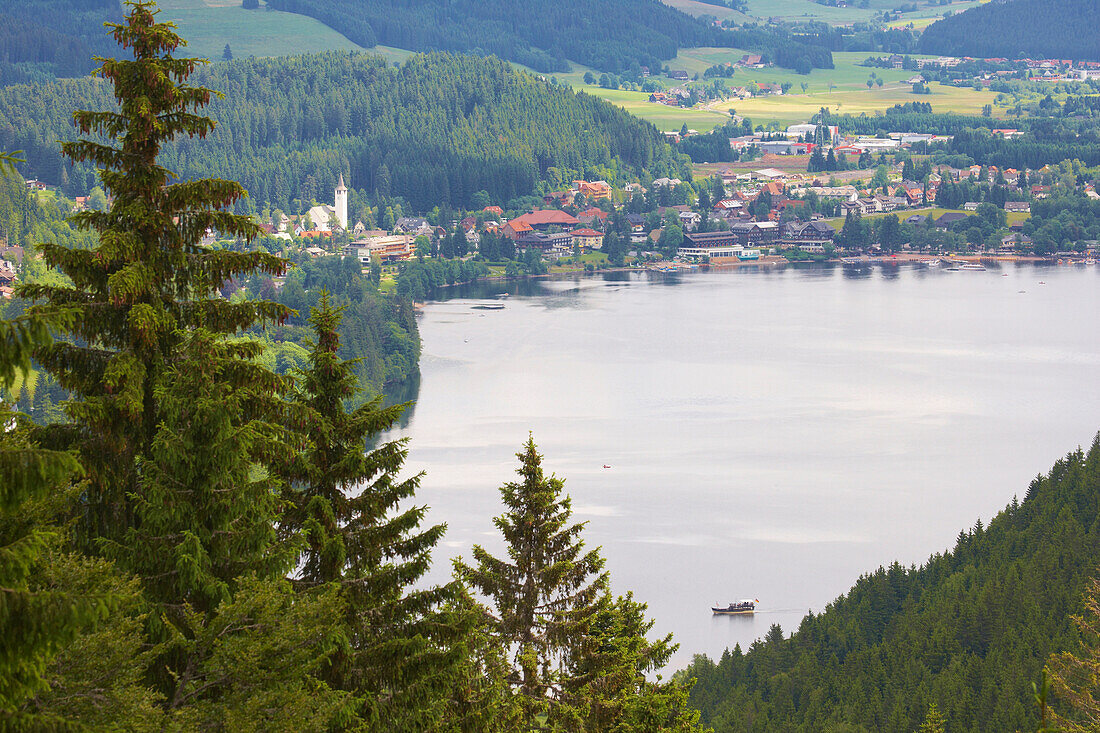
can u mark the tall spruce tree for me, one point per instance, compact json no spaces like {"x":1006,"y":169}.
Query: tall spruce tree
{"x":149,"y":280}
{"x":546,"y":593}
{"x":173,"y":424}
{"x":344,"y":501}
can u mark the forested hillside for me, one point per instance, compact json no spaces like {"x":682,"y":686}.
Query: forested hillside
{"x":609,"y":35}
{"x":969,"y":631}
{"x":434,"y":131}
{"x":57,"y":37}
{"x":1063,"y":29}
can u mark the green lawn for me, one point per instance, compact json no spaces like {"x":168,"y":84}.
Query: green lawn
{"x":208,"y":25}
{"x":809,"y":10}
{"x":664,"y":117}
{"x":934,"y":212}
{"x":797,"y":107}
{"x":842,"y":89}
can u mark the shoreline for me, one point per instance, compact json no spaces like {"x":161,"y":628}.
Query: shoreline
{"x":767,"y":261}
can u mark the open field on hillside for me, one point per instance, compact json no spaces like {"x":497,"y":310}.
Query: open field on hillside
{"x":841,"y":89}
{"x":794,"y":10}
{"x":934,"y":212}
{"x":795,"y":107}
{"x":693,"y":7}
{"x":210,"y":24}
{"x":664,"y":117}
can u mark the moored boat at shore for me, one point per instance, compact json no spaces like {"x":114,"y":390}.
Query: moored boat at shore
{"x":736,"y":607}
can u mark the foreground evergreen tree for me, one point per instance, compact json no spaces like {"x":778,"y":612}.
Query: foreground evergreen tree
{"x":344,"y":501}
{"x":174,"y":425}
{"x":148,"y":281}
{"x":546,"y":593}
{"x":1075,"y":675}
{"x":575,"y":657}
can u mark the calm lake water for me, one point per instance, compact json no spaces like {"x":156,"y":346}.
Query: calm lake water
{"x":771,"y":434}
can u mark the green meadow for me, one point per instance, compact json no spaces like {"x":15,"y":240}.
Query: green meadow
{"x":842,"y":89}
{"x":795,"y":10}
{"x":208,"y":25}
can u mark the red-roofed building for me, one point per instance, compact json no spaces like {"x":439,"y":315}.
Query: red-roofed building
{"x":587,"y":238}
{"x":494,"y":210}
{"x":516,"y":229}
{"x":543,"y":219}
{"x":591,"y":216}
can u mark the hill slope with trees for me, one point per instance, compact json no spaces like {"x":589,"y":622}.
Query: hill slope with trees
{"x":969,"y":631}
{"x":55,"y":37}
{"x":435,"y":131}
{"x":1019,"y":29}
{"x":609,"y":35}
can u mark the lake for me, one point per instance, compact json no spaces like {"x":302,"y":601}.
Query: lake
{"x":771,"y":434}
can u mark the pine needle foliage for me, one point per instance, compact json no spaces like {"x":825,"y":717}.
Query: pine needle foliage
{"x":35,"y":622}
{"x":1075,"y":675}
{"x":545,"y":593}
{"x":344,"y":501}
{"x":149,"y":280}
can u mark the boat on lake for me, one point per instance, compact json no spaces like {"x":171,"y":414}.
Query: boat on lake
{"x":491,"y":305}
{"x":932,"y":263}
{"x":972,"y":266}
{"x":737,"y":607}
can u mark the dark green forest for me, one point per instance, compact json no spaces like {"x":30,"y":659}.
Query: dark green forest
{"x":435,"y":131}
{"x":54,"y":37}
{"x":1062,"y":29}
{"x":610,"y":35}
{"x":969,"y":630}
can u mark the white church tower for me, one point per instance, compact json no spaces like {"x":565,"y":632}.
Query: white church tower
{"x":342,"y":203}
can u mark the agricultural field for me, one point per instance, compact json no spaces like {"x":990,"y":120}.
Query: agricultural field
{"x":208,"y":25}
{"x":797,"y":107}
{"x":796,"y":10}
{"x":842,"y":89}
{"x":933,"y":212}
{"x":667,"y":119}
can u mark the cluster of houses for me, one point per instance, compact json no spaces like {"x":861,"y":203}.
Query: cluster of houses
{"x":1035,"y":69}
{"x":10,"y":257}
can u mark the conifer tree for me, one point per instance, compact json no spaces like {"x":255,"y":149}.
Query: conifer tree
{"x":34,"y":625}
{"x":545,"y":593}
{"x":173,"y":424}
{"x":1075,"y":675}
{"x":344,"y":501}
{"x":609,"y":687}
{"x":148,"y":281}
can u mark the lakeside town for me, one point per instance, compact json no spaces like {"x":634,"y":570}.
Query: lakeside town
{"x":766,"y":215}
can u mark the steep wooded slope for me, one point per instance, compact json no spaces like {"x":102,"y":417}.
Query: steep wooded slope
{"x":969,"y":631}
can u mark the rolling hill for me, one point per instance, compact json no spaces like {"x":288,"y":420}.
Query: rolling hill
{"x":1064,"y":29}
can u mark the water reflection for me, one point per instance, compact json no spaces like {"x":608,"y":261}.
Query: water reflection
{"x":772,"y":434}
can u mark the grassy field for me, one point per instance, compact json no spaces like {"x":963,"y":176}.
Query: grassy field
{"x":664,"y":117}
{"x":796,"y":107}
{"x":208,"y":25}
{"x":842,"y":89}
{"x":793,"y":10}
{"x":934,"y":212}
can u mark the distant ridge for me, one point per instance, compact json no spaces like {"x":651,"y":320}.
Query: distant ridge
{"x":1064,"y":29}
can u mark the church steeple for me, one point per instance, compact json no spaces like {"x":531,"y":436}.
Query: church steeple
{"x":342,"y":203}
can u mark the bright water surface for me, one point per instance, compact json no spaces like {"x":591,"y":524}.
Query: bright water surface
{"x":771,"y":434}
